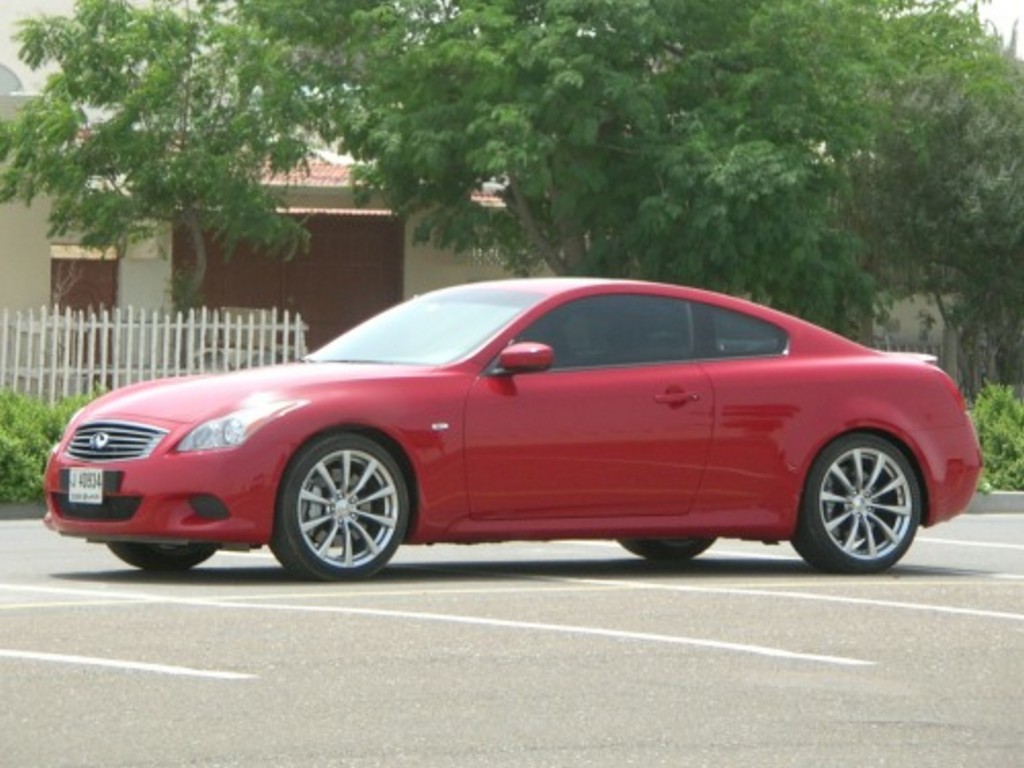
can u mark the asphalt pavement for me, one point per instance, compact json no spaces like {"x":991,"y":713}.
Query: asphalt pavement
{"x":557,"y":655}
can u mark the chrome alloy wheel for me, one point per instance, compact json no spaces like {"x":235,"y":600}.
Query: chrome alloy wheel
{"x":348,"y":508}
{"x":867,"y":504}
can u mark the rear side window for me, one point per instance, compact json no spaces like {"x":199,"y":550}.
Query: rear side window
{"x":728,"y":334}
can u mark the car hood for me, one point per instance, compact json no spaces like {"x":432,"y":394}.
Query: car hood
{"x":195,"y":398}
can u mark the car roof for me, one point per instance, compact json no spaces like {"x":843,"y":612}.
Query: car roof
{"x":548,"y":286}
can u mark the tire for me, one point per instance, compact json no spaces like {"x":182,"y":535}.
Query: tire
{"x":162,"y":557}
{"x":861,"y":507}
{"x":342,"y":510}
{"x":666,"y":549}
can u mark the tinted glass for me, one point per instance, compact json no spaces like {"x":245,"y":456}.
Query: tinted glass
{"x":616,"y":330}
{"x":734,"y":334}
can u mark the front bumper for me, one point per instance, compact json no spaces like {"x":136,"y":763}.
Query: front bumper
{"x":225,"y":496}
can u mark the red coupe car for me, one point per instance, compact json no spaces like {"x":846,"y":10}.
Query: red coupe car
{"x":660,"y":416}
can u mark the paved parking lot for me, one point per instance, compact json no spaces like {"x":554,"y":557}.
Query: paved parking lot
{"x":563,"y":654}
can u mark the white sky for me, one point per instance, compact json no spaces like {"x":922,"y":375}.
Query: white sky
{"x":12,"y":11}
{"x":1002,"y":14}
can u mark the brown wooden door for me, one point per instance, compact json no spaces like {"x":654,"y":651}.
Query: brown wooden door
{"x":83,"y":283}
{"x":352,"y":270}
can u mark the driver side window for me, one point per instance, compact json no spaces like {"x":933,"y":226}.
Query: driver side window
{"x":616,"y":330}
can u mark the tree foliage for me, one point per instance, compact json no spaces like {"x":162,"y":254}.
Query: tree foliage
{"x":742,"y":146}
{"x":172,"y":113}
{"x":700,"y":142}
{"x":940,"y":199}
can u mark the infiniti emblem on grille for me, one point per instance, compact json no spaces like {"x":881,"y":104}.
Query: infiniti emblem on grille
{"x":99,"y":441}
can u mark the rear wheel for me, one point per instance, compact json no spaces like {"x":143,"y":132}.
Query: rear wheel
{"x":342,"y":509}
{"x":861,"y":507}
{"x":666,"y":549}
{"x":162,"y":557}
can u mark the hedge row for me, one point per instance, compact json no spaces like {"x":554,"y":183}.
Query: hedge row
{"x":999,"y":418}
{"x":29,"y":428}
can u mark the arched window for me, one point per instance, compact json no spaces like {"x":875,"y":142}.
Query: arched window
{"x":9,"y":82}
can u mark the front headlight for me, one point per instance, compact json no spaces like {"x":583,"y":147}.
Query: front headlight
{"x":234,"y":429}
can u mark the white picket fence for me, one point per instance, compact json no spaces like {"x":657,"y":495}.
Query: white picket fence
{"x":52,"y":353}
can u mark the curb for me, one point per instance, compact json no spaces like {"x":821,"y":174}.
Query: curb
{"x":28,"y":511}
{"x":998,"y":502}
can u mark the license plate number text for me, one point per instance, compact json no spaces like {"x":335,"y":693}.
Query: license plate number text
{"x":85,"y":486}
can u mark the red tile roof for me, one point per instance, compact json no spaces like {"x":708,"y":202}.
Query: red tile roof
{"x":316,"y":173}
{"x":323,"y":173}
{"x":301,"y":211}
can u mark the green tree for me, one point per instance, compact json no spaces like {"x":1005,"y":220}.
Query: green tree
{"x":940,"y":200}
{"x":169,"y":114}
{"x":700,"y":141}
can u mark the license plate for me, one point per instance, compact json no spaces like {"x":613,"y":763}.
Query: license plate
{"x":85,"y":486}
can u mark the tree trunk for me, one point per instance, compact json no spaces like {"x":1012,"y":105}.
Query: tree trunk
{"x":191,"y":293}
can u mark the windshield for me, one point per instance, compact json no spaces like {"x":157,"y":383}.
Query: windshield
{"x":433,"y":329}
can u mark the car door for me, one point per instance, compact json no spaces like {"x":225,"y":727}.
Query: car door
{"x":620,"y":425}
{"x":752,"y":479}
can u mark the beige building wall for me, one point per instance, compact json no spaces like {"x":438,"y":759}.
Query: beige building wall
{"x":913,"y":321}
{"x":428,"y":268}
{"x":144,"y":274}
{"x":24,"y":247}
{"x":24,"y":256}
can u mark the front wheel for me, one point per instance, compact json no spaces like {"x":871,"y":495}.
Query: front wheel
{"x":342,"y":509}
{"x":162,"y":557}
{"x":861,"y":507}
{"x":666,"y":549}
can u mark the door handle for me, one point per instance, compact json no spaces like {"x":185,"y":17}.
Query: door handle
{"x":676,"y":398}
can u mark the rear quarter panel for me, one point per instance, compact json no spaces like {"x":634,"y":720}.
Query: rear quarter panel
{"x":774,"y":416}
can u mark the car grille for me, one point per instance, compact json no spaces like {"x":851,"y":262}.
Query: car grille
{"x":114,"y":441}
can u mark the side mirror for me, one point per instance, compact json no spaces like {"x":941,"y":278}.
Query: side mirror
{"x":526,"y":357}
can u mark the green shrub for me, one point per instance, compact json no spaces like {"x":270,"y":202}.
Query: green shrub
{"x":28,"y":430}
{"x":999,"y":419}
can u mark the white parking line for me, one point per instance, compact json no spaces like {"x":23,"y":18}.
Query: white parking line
{"x":568,"y":629}
{"x":747,"y":555}
{"x":979,"y":544}
{"x":98,"y":593}
{"x":721,"y":552}
{"x":120,"y":664}
{"x":565,"y":629}
{"x":946,"y":609}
